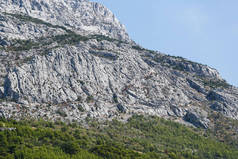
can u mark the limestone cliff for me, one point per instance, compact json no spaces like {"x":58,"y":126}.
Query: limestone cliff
{"x":72,"y":59}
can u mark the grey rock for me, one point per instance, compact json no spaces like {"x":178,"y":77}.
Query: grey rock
{"x":214,"y":96}
{"x":196,"y":86}
{"x":179,"y":112}
{"x":80,"y":15}
{"x":198,"y":119}
{"x":218,"y":107}
{"x":121,"y":108}
{"x":2,"y":114}
{"x":1,"y":92}
{"x":3,"y":42}
{"x":7,"y":129}
{"x":181,"y":64}
{"x":59,"y":64}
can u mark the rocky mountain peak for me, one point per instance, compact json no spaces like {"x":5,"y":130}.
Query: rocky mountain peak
{"x":81,"y":16}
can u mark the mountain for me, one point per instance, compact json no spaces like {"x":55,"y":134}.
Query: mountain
{"x":71,"y":60}
{"x":81,"y":16}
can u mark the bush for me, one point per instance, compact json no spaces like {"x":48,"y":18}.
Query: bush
{"x":70,"y":147}
{"x":139,"y":138}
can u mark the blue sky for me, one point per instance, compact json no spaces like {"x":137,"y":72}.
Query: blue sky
{"x":199,"y":30}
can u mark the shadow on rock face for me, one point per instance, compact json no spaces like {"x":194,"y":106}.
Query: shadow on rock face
{"x":198,"y":119}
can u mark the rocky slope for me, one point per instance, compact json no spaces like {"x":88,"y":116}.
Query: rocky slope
{"x":72,"y":59}
{"x":82,"y":16}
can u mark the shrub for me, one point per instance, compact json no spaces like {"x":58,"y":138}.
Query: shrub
{"x":89,"y":99}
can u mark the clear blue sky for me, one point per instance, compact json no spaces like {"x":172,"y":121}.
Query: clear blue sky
{"x":204,"y":31}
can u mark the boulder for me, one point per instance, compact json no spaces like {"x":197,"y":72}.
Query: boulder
{"x":121,"y":108}
{"x":212,"y":96}
{"x":3,"y":42}
{"x":1,"y":92}
{"x":2,"y":114}
{"x":198,"y":119}
{"x":179,"y":112}
{"x":218,"y":107}
{"x":196,"y":86}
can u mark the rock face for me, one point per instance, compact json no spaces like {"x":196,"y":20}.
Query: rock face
{"x":197,"y":118}
{"x":72,"y":59}
{"x":81,"y":16}
{"x":1,"y":92}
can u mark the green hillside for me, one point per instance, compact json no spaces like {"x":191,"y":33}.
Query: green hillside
{"x":141,"y":137}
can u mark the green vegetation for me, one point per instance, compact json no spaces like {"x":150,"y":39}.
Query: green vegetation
{"x":105,"y":55}
{"x":2,"y":100}
{"x":22,"y":45}
{"x":43,"y":42}
{"x":174,"y":62}
{"x":43,"y":45}
{"x":74,"y":37}
{"x":79,"y":99}
{"x":215,"y":83}
{"x":61,"y":113}
{"x":138,"y":48}
{"x":139,"y":138}
{"x":70,"y":38}
{"x":103,"y":37}
{"x":89,"y":99}
{"x":25,"y":45}
{"x":80,"y":108}
{"x":27,"y":18}
{"x":115,"y":98}
{"x":225,"y":129}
